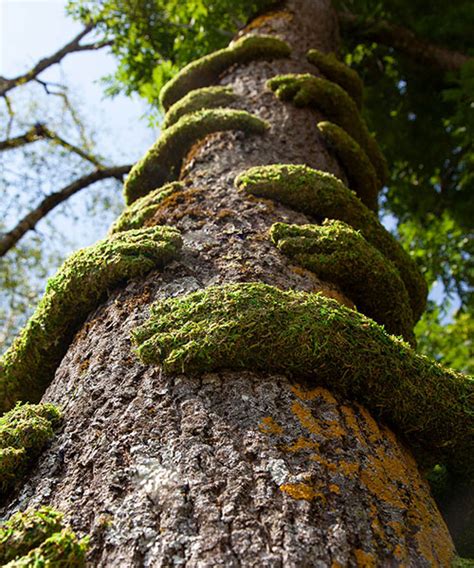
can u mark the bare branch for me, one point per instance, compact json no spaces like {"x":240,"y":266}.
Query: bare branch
{"x":43,"y":64}
{"x":41,"y":132}
{"x":405,"y":41}
{"x":11,"y":114}
{"x":29,"y":221}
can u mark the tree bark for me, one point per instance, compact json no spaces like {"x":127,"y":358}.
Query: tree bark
{"x":232,"y":468}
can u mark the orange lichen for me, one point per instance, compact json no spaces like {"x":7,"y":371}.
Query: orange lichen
{"x":389,"y":475}
{"x":302,"y":491}
{"x":269,"y":426}
{"x":301,"y":444}
{"x":364,"y":559}
{"x":303,"y":394}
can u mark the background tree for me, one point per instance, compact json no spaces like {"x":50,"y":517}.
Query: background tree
{"x":241,"y":465}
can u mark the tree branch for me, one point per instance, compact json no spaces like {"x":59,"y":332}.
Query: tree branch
{"x":29,"y":221}
{"x":41,"y":132}
{"x":43,"y":64}
{"x":405,"y":41}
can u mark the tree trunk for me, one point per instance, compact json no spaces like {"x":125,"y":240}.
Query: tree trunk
{"x":231,"y":468}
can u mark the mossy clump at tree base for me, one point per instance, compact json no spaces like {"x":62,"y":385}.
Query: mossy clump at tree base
{"x":339,"y":73}
{"x":80,"y":285}
{"x":256,"y":327}
{"x":24,"y":431}
{"x":205,"y":71}
{"x":321,"y":195}
{"x":137,"y":214}
{"x":306,"y":90}
{"x":199,"y":99}
{"x":338,"y":253}
{"x":163,"y":160}
{"x":38,"y":538}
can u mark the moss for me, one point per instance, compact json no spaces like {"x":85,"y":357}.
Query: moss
{"x":309,"y":91}
{"x":322,"y":195}
{"x":205,"y":71}
{"x":81,"y":284}
{"x":198,"y":99}
{"x":24,"y":431}
{"x":339,"y":73}
{"x":163,"y":160}
{"x":135,"y":215}
{"x":38,"y":538}
{"x":462,"y":563}
{"x":256,"y":327}
{"x":359,"y":171}
{"x":339,"y":254}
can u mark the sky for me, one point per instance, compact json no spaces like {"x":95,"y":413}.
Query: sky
{"x":31,"y":29}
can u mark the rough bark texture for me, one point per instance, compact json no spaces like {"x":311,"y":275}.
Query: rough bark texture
{"x":234,"y":468}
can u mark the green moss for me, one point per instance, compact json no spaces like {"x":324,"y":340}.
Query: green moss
{"x":339,"y":73}
{"x":205,"y":71}
{"x":329,"y":98}
{"x":462,"y":563}
{"x":135,"y":215}
{"x":322,"y":195}
{"x":198,"y":99}
{"x":37,"y":538}
{"x":163,"y":160}
{"x":24,"y":431}
{"x":256,"y":327}
{"x":359,"y":171}
{"x":81,"y":284}
{"x":337,"y":253}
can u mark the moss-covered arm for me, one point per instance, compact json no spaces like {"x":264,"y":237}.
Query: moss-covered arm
{"x":137,"y":214}
{"x":359,"y":171}
{"x":37,"y":538}
{"x":199,"y":99}
{"x":163,"y":160}
{"x":205,"y":71}
{"x":315,"y":92}
{"x":339,"y":254}
{"x":339,"y":73}
{"x":257,"y":327}
{"x":24,"y":431}
{"x":81,"y":284}
{"x":322,"y":195}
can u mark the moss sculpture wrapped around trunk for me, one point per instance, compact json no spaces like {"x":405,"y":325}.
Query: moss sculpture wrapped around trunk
{"x":232,"y":402}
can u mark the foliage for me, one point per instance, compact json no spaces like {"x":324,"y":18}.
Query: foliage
{"x":24,"y":431}
{"x":81,"y":284}
{"x":449,"y":343}
{"x":152,"y":39}
{"x":37,"y":538}
{"x":257,"y":327}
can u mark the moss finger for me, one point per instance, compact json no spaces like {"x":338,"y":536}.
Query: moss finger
{"x":163,"y":160}
{"x":206,"y":70}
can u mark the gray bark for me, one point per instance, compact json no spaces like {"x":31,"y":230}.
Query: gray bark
{"x":232,"y":469}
